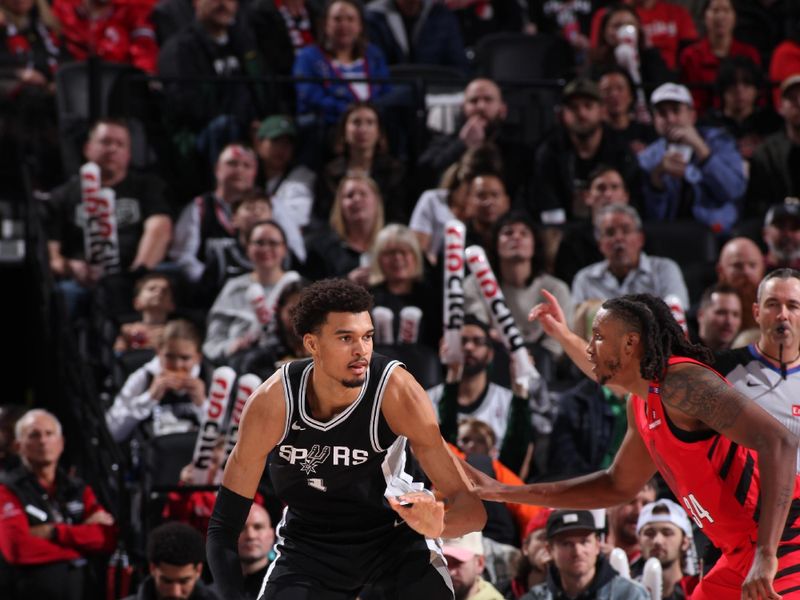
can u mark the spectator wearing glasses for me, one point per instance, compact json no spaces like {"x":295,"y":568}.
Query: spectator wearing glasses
{"x":232,"y":322}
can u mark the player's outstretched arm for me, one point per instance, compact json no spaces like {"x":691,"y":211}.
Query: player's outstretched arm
{"x":260,"y":428}
{"x":700,"y":394}
{"x":409,"y":412}
{"x":631,"y":469}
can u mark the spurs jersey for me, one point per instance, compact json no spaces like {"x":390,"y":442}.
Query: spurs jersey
{"x":332,"y":475}
{"x":714,"y":478}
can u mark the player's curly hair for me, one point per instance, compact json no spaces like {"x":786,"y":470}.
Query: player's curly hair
{"x":326,"y":296}
{"x":661,"y":336}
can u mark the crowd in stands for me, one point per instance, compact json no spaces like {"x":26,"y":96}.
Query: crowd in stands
{"x":254,"y":146}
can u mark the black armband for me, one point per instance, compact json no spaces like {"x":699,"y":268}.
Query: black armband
{"x":226,"y":523}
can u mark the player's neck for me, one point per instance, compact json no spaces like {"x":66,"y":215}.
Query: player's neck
{"x":328,"y":397}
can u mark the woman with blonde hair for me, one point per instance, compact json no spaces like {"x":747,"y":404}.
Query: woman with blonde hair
{"x":356,"y":218}
{"x":396,"y":281}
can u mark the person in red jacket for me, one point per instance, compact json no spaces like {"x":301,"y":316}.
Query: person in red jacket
{"x":699,"y":63}
{"x":49,"y":520}
{"x":118,"y":31}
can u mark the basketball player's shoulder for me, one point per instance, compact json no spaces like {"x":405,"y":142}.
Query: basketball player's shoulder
{"x":269,"y":396}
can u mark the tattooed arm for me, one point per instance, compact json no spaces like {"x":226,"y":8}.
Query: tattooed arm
{"x":695,"y":397}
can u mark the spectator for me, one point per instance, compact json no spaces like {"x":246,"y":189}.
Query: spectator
{"x":167,"y":394}
{"x":652,"y":67}
{"x":623,"y":520}
{"x":578,"y":569}
{"x":356,"y":218}
{"x":208,"y":217}
{"x":781,"y":234}
{"x":289,"y":346}
{"x":396,"y":281}
{"x":738,"y":84}
{"x":517,"y":265}
{"x":487,"y":194}
{"x":361,"y":148}
{"x":115,"y":31}
{"x":690,"y":173}
{"x":477,"y":445}
{"x":51,"y":521}
{"x":289,"y":185}
{"x":667,"y":27}
{"x":587,"y":430}
{"x":785,"y":63}
{"x":175,"y":555}
{"x":207,"y":115}
{"x":775,"y":167}
{"x":700,"y":62}
{"x":233,"y":323}
{"x":255,"y":549}
{"x":567,"y":18}
{"x":451,"y":200}
{"x":482,"y":122}
{"x":226,"y":258}
{"x":479,"y":18}
{"x":533,"y":567}
{"x":9,"y":459}
{"x":283,"y":28}
{"x":565,"y":159}
{"x":763,"y":24}
{"x":342,"y":52}
{"x":466,"y":562}
{"x":578,"y":246}
{"x":626,"y":268}
{"x":144,"y":227}
{"x":154,"y":299}
{"x":666,"y":534}
{"x":30,"y":52}
{"x":741,"y":266}
{"x":468,"y":392}
{"x":618,"y":92}
{"x":719,"y":317}
{"x":417,"y":32}
{"x":768,"y":370}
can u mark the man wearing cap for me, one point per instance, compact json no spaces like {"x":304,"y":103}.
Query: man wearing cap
{"x":665,"y":533}
{"x":465,"y":562}
{"x":289,"y":185}
{"x":573,"y":150}
{"x":690,"y":173}
{"x":533,"y":566}
{"x":775,"y":166}
{"x":579,"y":571}
{"x":781,"y":234}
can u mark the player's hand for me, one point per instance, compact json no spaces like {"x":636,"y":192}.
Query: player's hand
{"x":425,"y":515}
{"x":551,"y":316}
{"x":758,"y":583}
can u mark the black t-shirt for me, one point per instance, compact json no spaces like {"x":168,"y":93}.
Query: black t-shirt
{"x":138,"y":197}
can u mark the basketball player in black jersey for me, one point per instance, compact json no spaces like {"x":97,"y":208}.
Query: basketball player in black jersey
{"x":338,"y":423}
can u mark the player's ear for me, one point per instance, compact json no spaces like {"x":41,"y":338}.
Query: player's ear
{"x":632,"y":340}
{"x":310,"y":343}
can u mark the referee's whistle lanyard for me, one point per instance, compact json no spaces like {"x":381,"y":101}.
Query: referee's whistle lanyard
{"x":345,"y":80}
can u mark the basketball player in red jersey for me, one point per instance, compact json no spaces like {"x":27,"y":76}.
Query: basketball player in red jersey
{"x":726,"y":460}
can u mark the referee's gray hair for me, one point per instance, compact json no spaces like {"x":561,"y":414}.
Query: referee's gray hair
{"x":22,"y":422}
{"x":784,"y":273}
{"x":620,"y":209}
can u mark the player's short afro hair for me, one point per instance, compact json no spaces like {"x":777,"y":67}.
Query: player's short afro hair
{"x":327,"y":296}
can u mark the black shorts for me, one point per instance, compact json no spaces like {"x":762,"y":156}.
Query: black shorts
{"x":396,"y":562}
